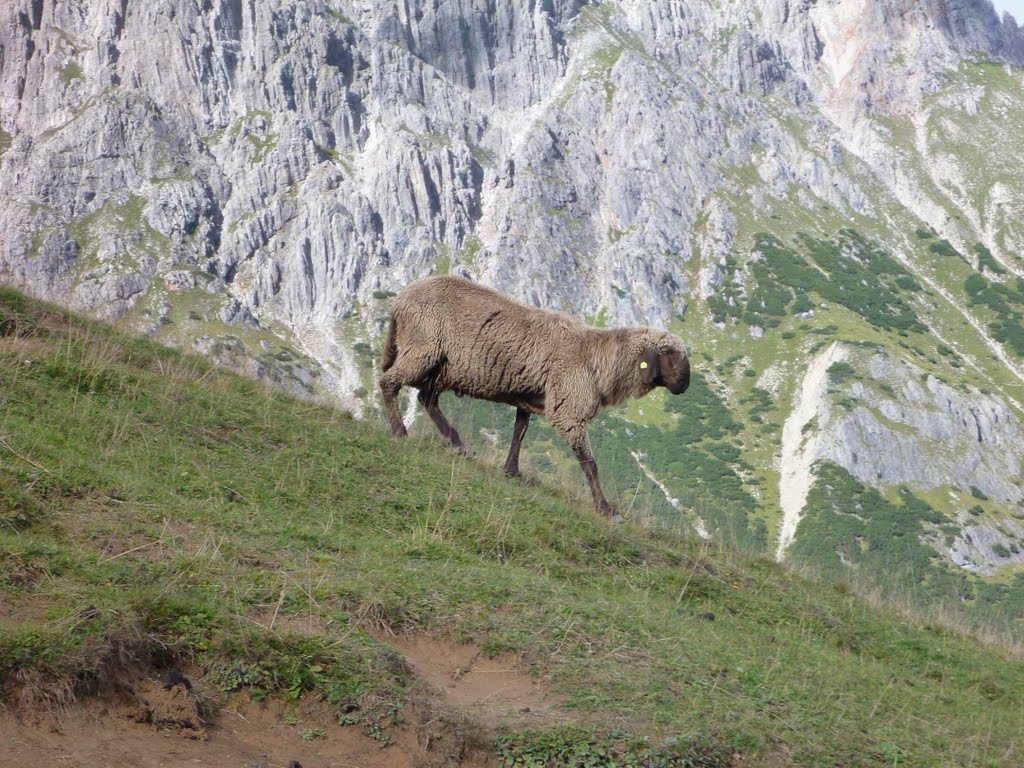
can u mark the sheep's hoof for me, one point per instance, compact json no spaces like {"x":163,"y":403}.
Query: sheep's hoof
{"x":512,"y":472}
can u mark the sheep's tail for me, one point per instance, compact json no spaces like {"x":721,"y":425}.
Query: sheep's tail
{"x":390,"y":346}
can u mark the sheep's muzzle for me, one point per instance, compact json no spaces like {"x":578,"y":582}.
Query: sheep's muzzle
{"x":675,"y":376}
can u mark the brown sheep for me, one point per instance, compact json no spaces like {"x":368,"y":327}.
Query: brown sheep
{"x":447,"y":333}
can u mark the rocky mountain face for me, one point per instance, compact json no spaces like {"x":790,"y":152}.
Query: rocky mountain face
{"x":889,"y":423}
{"x":257,"y":180}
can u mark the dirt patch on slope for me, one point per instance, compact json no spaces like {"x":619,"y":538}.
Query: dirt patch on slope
{"x":138,"y":723}
{"x":493,"y":692}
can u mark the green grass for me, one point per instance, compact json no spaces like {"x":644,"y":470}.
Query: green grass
{"x":263,"y":141}
{"x":470,"y":248}
{"x":852,"y":531}
{"x":157,"y":510}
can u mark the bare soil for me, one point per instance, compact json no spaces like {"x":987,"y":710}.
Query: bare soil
{"x":134,"y":722}
{"x":492,"y":692}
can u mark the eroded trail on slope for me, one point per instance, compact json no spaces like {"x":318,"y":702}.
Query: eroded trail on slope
{"x":800,"y":442}
{"x":134,"y":722}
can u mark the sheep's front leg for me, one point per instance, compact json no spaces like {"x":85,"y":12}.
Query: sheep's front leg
{"x":518,"y":432}
{"x":586,"y":459}
{"x":578,"y":439}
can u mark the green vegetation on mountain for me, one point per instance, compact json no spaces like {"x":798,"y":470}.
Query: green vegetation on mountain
{"x":1006,"y":302}
{"x":967,"y":122}
{"x":847,"y":269}
{"x":852,"y":531}
{"x":157,"y":510}
{"x":944,"y":248}
{"x":986,"y":260}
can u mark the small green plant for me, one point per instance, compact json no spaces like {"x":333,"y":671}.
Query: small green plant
{"x":70,"y":72}
{"x":576,"y":746}
{"x":310,"y":734}
{"x":379,"y":723}
{"x":987,"y":261}
{"x":944,"y":248}
{"x":840,"y":372}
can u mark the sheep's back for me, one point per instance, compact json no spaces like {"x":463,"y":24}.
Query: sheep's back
{"x":490,"y":346}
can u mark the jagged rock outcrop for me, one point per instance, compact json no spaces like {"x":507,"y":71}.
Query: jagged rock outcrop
{"x":902,"y":426}
{"x":985,"y":547}
{"x":880,"y":57}
{"x":306,"y":155}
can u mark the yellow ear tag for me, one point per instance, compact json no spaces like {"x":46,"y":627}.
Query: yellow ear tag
{"x":643,"y":365}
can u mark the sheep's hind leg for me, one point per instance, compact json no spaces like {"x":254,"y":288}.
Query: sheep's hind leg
{"x":389,"y":389}
{"x":428,"y":398}
{"x":406,"y":370}
{"x":512,"y":462}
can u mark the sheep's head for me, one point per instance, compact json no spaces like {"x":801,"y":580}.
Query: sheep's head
{"x":664,"y":363}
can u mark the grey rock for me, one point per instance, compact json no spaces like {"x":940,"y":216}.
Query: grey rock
{"x":926,"y":435}
{"x":984,"y":548}
{"x":307,"y":155}
{"x":710,"y":280}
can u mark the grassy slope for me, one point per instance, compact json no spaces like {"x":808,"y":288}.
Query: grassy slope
{"x":155,"y":509}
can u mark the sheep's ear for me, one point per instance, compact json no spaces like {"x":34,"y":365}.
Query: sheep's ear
{"x":649,"y":365}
